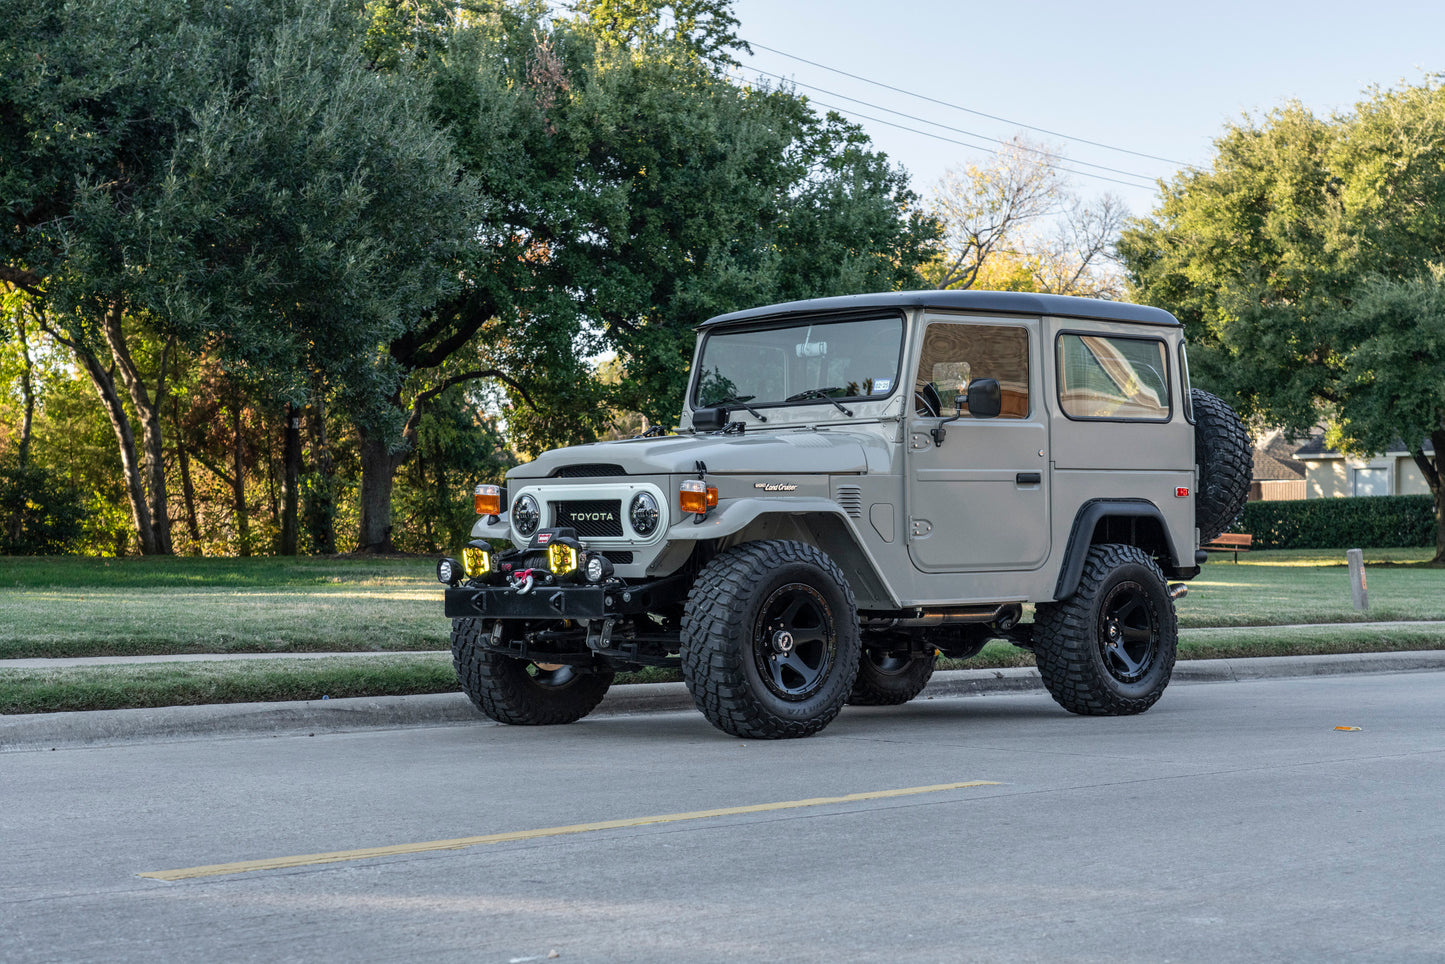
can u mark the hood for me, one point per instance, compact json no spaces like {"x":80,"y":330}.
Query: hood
{"x":759,"y":454}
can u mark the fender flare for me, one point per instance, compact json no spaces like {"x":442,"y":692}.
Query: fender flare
{"x":1081,"y":537}
{"x":839,"y":537}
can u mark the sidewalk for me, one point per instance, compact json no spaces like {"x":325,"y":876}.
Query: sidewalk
{"x":235,"y":720}
{"x":211,"y":657}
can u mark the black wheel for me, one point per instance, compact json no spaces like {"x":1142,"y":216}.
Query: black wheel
{"x":770,"y":640}
{"x":1225,"y":461}
{"x":890,"y":678}
{"x":512,"y":690}
{"x":1108,"y":649}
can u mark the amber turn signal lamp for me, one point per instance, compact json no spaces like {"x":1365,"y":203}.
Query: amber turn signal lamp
{"x":488,"y":499}
{"x":697,"y":496}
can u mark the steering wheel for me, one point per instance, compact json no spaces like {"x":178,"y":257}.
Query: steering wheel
{"x":926,"y":400}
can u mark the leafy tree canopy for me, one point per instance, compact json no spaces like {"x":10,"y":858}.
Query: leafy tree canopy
{"x":1305,"y":264}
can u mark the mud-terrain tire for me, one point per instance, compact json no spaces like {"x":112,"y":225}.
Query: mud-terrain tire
{"x":512,"y":690}
{"x":1225,"y":460}
{"x":770,"y":640}
{"x":888,"y":680}
{"x":1108,"y":650}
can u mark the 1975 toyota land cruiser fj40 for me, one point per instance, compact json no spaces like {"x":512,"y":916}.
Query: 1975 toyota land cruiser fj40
{"x":858,"y":485}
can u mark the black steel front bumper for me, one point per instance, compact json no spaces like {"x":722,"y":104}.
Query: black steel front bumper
{"x":562,"y":602}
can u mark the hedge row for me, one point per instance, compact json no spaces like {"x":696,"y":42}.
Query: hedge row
{"x":1362,"y":522}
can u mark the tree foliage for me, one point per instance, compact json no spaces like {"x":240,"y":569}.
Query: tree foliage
{"x":222,"y":178}
{"x":330,"y":227}
{"x":1305,"y":264}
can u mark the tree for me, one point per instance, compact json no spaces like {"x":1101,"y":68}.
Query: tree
{"x":233,"y":179}
{"x":631,"y":190}
{"x":1303,"y":264}
{"x":1016,"y":225}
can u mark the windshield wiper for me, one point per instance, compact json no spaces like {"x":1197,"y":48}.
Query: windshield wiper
{"x":822,"y":394}
{"x":743,"y":401}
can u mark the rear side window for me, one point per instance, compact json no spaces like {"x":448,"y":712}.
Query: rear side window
{"x":1113,"y":377}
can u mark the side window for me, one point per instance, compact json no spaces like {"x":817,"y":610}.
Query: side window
{"x":955,"y":354}
{"x":1106,"y":376}
{"x":1184,"y":386}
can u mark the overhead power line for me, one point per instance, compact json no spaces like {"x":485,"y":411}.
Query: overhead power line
{"x":966,"y":110}
{"x":949,"y":140}
{"x":957,"y":130}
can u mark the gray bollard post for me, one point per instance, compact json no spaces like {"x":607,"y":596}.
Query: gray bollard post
{"x":1357,"y":578}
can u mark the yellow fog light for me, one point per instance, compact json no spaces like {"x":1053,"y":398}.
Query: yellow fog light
{"x":697,"y":496}
{"x":561,"y":558}
{"x":488,"y":499}
{"x":477,"y":560}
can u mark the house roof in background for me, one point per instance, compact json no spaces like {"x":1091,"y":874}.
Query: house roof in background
{"x":1274,"y":459}
{"x":1316,"y":448}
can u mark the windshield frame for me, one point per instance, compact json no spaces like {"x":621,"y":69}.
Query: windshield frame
{"x":802,"y":323}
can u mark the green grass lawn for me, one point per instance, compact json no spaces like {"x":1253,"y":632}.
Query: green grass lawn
{"x":96,"y":607}
{"x":1298,"y":586}
{"x":132,"y":607}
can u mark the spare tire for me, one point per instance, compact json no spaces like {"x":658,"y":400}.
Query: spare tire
{"x":1225,"y":461}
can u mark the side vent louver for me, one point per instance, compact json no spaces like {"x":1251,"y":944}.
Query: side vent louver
{"x":850,"y":497}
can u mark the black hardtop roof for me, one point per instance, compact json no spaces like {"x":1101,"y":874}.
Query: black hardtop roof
{"x":1003,"y":302}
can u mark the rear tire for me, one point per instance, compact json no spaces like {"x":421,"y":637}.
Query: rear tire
{"x":889,"y":679}
{"x":770,"y":640}
{"x":1109,"y":649}
{"x":518,"y":691}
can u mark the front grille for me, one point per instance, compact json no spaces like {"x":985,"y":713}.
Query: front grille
{"x":592,"y":470}
{"x":592,"y":518}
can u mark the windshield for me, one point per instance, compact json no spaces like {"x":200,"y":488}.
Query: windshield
{"x":800,"y":363}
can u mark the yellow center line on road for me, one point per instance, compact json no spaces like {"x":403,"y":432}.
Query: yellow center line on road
{"x":461,"y":843}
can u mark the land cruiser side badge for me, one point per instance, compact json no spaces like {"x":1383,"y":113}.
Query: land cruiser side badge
{"x":775,"y":486}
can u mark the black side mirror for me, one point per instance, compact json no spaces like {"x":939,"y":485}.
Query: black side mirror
{"x":985,"y":398}
{"x":710,"y":419}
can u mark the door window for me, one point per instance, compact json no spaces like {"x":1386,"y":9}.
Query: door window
{"x":955,"y":354}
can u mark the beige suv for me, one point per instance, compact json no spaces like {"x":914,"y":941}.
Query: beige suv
{"x":858,"y":485}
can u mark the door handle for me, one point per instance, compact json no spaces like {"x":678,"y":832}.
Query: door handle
{"x":1029,"y":478}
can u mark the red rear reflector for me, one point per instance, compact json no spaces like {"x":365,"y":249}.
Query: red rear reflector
{"x":1182,"y":492}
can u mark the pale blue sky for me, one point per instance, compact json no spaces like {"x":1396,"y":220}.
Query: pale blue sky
{"x":1157,"y":78}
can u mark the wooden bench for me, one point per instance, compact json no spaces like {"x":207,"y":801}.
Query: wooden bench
{"x":1235,"y":542}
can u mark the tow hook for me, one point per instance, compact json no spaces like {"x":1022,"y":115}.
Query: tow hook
{"x":1177,"y":590}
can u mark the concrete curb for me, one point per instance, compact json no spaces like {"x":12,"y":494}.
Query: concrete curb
{"x":174,"y":723}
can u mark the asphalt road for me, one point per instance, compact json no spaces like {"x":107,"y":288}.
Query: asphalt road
{"x":1231,"y":822}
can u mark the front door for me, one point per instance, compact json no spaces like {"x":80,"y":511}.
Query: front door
{"x":980,"y":500}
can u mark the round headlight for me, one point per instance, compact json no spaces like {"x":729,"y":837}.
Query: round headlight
{"x":526,"y":514}
{"x":644,"y":514}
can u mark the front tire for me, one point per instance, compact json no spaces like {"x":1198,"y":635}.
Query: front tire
{"x":520,"y":692}
{"x":770,"y":640}
{"x":1109,"y":649}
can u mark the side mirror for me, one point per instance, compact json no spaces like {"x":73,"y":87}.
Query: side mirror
{"x":710,"y":419}
{"x":985,"y":398}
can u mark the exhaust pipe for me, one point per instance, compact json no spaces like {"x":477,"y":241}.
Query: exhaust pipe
{"x":1178,"y":590}
{"x":1003,"y":617}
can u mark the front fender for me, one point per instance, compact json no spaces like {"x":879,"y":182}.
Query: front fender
{"x":735,"y":516}
{"x":817,"y":521}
